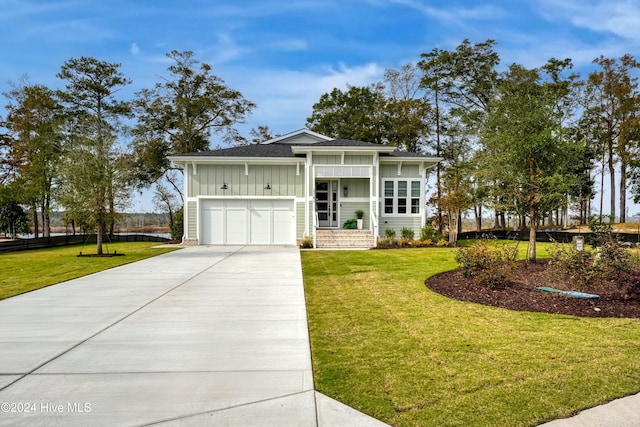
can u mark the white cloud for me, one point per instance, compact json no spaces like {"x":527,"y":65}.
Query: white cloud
{"x":618,"y":17}
{"x":454,"y":14}
{"x":135,"y":49}
{"x":285,"y":97}
{"x":290,"y":45}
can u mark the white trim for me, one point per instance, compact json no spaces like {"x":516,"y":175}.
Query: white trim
{"x":195,"y":168}
{"x":200,"y":198}
{"x":340,"y":149}
{"x":342,"y":171}
{"x":292,"y":199}
{"x":400,"y":169}
{"x":212,"y":160}
{"x":246,"y":169}
{"x":411,"y":160}
{"x":302,"y":131}
{"x":355,"y":199}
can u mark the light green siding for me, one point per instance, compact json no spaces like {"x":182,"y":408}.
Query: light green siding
{"x":324,"y":159}
{"x":356,"y":187}
{"x":397,"y":223}
{"x":209,"y":179}
{"x":358,"y":160}
{"x":192,"y":220}
{"x":348,"y":211}
{"x":299,"y":220}
{"x":407,"y":171}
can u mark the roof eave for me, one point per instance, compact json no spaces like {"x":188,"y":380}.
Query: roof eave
{"x":410,"y":159}
{"x":340,"y":148}
{"x":233,"y":159}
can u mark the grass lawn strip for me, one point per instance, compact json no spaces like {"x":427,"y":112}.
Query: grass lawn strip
{"x":26,"y":271}
{"x":385,"y":344}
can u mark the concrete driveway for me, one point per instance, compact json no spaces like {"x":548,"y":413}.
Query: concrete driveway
{"x":199,"y":336}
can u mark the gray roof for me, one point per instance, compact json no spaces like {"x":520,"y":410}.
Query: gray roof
{"x":277,"y":149}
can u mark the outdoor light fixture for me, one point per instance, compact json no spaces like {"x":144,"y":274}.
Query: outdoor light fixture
{"x":345,"y":191}
{"x":267,"y":187}
{"x":224,"y":186}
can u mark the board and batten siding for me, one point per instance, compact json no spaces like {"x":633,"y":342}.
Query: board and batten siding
{"x":356,"y":187}
{"x":407,"y":171}
{"x":283,"y":180}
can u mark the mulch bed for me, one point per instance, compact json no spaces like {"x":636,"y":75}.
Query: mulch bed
{"x":520,"y":293}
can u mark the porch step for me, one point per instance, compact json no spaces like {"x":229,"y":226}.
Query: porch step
{"x":354,"y":239}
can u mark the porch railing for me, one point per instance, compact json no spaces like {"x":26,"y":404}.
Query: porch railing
{"x":374,"y":223}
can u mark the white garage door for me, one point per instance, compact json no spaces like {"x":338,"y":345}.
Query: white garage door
{"x":247,"y":222}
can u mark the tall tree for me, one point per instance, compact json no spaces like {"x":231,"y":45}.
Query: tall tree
{"x":180,"y":114}
{"x":358,"y":114}
{"x":565,"y":90}
{"x":520,"y":136}
{"x":462,"y":83}
{"x":34,"y":119}
{"x":408,"y":110}
{"x":95,"y":171}
{"x":612,"y":102}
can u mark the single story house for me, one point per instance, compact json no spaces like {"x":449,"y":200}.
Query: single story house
{"x":302,"y":185}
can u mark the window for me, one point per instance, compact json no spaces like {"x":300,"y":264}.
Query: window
{"x":388,"y":197}
{"x":402,"y":197}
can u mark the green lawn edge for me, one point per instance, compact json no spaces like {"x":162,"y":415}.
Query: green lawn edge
{"x":26,"y":271}
{"x":386,"y":345}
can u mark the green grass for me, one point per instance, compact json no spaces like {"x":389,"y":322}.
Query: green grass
{"x":385,"y":344}
{"x":26,"y":271}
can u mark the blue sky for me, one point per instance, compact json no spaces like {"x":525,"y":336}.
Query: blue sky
{"x":283,"y":55}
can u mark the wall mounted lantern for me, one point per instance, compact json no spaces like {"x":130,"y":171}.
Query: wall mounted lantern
{"x":345,"y":191}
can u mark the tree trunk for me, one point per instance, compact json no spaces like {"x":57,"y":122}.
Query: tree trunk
{"x":532,"y":234}
{"x":623,"y":192}
{"x":496,"y":220}
{"x":612,"y":182}
{"x":46,"y":217}
{"x":453,"y":227}
{"x":477,"y":210}
{"x":36,"y":225}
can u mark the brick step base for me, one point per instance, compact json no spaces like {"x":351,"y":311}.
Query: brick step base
{"x":344,"y":239}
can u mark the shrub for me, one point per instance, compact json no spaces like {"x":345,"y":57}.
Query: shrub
{"x":407,"y":233}
{"x":442,"y":242}
{"x":359,"y":214}
{"x":427,"y":242}
{"x":177,"y":228}
{"x":307,"y":243}
{"x":629,"y":283}
{"x":427,"y":232}
{"x":581,"y":267}
{"x":390,"y":233}
{"x":489,"y":267}
{"x":403,"y":241}
{"x":350,"y":224}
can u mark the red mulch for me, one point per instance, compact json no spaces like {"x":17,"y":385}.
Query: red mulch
{"x":520,"y":293}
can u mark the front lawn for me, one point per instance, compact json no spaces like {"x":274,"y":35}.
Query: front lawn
{"x":385,"y":344}
{"x":26,"y":271}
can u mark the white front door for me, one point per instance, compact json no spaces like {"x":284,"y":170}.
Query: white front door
{"x":327,"y":203}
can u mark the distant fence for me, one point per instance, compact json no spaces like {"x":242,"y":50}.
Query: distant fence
{"x":541,"y":236}
{"x":78,"y":239}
